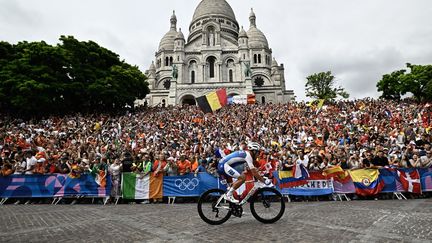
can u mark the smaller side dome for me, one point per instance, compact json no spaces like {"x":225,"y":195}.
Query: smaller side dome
{"x":152,"y":66}
{"x":243,"y":33}
{"x":257,"y":38}
{"x":167,"y":42}
{"x":180,"y":35}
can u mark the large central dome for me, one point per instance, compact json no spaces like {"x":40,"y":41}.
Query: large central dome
{"x":214,"y":7}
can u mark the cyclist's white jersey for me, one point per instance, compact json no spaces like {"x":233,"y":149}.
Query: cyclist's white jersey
{"x":234,"y":164}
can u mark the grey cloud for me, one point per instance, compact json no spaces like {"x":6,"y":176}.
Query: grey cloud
{"x":358,"y":73}
{"x":14,"y":14}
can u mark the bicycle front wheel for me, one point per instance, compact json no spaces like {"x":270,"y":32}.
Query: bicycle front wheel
{"x":212,"y":209}
{"x":267,"y":205}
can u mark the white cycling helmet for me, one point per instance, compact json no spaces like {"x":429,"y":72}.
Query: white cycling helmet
{"x":254,"y":146}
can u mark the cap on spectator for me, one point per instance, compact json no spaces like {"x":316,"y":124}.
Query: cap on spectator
{"x":171,"y":159}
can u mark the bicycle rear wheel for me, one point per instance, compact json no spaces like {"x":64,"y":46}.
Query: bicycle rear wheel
{"x":267,"y":205}
{"x":210,"y":210}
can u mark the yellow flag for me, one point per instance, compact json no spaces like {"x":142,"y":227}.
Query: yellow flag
{"x":320,"y":103}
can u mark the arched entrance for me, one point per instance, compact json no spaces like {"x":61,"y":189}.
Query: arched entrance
{"x":188,"y":100}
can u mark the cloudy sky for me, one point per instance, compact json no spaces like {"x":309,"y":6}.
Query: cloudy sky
{"x":358,"y":40}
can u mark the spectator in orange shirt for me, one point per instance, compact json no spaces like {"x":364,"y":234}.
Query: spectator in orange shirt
{"x":318,"y":141}
{"x":184,"y":166}
{"x":159,"y":165}
{"x":194,"y":163}
{"x":6,"y":170}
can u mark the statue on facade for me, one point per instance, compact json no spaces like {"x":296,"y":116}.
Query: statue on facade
{"x":211,"y":39}
{"x":174,"y":71}
{"x":248,"y":70}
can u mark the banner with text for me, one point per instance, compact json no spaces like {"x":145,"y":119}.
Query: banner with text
{"x":312,"y":188}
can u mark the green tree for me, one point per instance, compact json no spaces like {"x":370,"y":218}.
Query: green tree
{"x":40,"y":79}
{"x":417,"y":81}
{"x":322,"y":86}
{"x":391,"y":85}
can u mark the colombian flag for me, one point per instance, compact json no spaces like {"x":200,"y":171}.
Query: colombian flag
{"x":367,"y":182}
{"x":212,"y":101}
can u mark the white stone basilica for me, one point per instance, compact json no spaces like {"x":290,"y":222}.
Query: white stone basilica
{"x":215,"y":55}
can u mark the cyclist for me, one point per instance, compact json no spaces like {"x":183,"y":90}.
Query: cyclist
{"x":235,"y":165}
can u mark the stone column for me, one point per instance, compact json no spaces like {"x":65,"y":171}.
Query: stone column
{"x":218,"y":76}
{"x":218,"y":39}
{"x":204,"y":73}
{"x":248,"y":83}
{"x":172,"y":97}
{"x":204,"y":39}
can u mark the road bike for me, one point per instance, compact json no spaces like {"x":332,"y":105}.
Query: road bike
{"x":267,"y":205}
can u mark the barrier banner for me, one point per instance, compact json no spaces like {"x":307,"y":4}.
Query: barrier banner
{"x":426,"y":179}
{"x":391,"y":180}
{"x":135,"y":186}
{"x":312,"y":188}
{"x":367,"y":182}
{"x":345,"y":188}
{"x":54,"y":185}
{"x":189,"y":185}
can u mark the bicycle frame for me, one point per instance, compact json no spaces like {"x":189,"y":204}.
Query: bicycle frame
{"x":257,"y":185}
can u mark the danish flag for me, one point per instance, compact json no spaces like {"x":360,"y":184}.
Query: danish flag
{"x":410,"y":180}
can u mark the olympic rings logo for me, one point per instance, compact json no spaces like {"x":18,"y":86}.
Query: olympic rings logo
{"x":189,"y":184}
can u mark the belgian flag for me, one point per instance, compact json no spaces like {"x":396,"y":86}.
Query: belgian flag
{"x":212,"y":101}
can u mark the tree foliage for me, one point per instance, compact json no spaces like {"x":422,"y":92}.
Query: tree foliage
{"x":417,"y":81}
{"x":73,"y":76}
{"x":322,"y":86}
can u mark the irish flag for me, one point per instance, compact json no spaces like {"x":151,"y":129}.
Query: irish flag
{"x":136,"y":186}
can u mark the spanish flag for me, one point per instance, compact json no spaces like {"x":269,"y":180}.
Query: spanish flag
{"x":212,"y":101}
{"x":367,"y":182}
{"x":251,"y":99}
{"x":337,"y":173}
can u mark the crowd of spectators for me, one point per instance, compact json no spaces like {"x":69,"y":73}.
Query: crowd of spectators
{"x":180,"y":140}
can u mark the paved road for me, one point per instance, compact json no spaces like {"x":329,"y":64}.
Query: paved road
{"x":358,"y":221}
